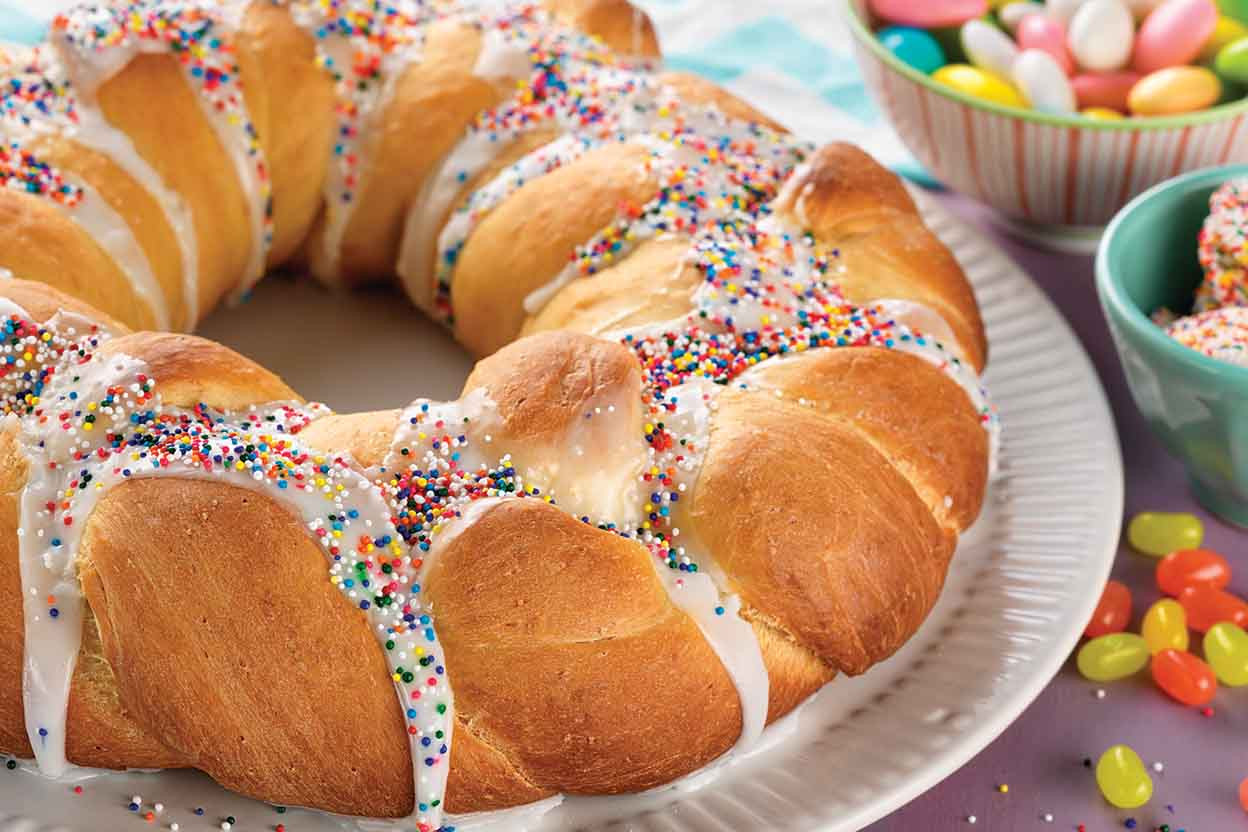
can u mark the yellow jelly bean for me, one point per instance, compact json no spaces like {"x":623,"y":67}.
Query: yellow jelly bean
{"x":1111,"y":657}
{"x":1227,"y":30}
{"x":1102,"y":114}
{"x":1159,"y":533}
{"x":1165,"y":626}
{"x":978,"y":83}
{"x":1174,"y":90}
{"x":1121,"y":776}
{"x":1226,"y":650}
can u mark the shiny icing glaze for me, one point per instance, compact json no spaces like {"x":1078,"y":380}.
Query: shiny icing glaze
{"x":768,"y":291}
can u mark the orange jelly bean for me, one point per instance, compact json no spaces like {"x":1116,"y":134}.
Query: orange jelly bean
{"x":1192,"y":567}
{"x":1112,"y":613}
{"x":1206,"y":606}
{"x":1243,"y":794}
{"x":1184,"y":677}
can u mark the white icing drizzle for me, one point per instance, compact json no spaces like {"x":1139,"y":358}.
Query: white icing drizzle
{"x":112,"y":233}
{"x":90,"y":64}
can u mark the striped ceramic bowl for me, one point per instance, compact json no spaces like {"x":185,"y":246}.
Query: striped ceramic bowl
{"x":1060,"y":176}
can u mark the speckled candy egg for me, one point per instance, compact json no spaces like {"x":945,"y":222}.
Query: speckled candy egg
{"x":1043,"y":83}
{"x":1101,"y":35}
{"x":1174,"y":34}
{"x":929,"y":14}
{"x":914,"y":47}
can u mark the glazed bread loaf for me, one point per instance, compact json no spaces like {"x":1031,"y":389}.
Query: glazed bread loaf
{"x":724,"y":433}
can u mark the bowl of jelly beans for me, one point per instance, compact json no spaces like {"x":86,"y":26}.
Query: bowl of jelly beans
{"x":1058,"y":112}
{"x":1166,"y":254}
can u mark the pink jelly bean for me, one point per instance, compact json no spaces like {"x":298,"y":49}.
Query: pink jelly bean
{"x":1104,"y":89}
{"x":1039,"y":31}
{"x":929,"y":14}
{"x":1173,"y":34}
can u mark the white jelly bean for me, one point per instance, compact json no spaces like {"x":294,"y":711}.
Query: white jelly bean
{"x":1101,"y":35}
{"x":1062,"y":10}
{"x":988,"y":47}
{"x":1044,"y":85}
{"x":1012,"y":14}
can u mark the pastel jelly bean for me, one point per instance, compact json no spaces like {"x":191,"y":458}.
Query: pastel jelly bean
{"x":1101,"y":114}
{"x":1101,"y":35}
{"x":1112,"y":613}
{"x":1043,"y":83}
{"x":1122,"y":778}
{"x":977,"y":83}
{"x":1206,"y":606}
{"x":989,"y":48}
{"x":1165,"y":626}
{"x":1063,"y":10}
{"x":1226,"y":650}
{"x":1227,"y":31}
{"x":1104,"y":89}
{"x":1237,"y":9}
{"x":1039,"y":31}
{"x":1111,"y":657}
{"x":1232,"y":61}
{"x":1184,"y":677}
{"x":1159,"y":533}
{"x":914,"y":47}
{"x":929,"y":14}
{"x":1192,"y":567}
{"x":1173,"y":34}
{"x":1012,"y":14}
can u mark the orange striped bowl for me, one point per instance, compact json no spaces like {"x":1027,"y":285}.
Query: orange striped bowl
{"x":1058,"y":176}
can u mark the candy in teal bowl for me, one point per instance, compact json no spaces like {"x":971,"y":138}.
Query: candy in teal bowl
{"x":1196,"y":405}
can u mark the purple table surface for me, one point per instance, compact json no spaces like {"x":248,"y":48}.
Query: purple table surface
{"x":1041,"y":756}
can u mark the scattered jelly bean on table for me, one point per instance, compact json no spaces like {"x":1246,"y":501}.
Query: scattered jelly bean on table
{"x":1107,"y":90}
{"x":1232,"y":61}
{"x":929,"y":15}
{"x":989,"y":48}
{"x":1192,"y":567}
{"x":914,"y":47}
{"x":1184,"y":677}
{"x":1112,"y":613}
{"x":1173,"y":34}
{"x":978,"y":84}
{"x":1039,"y":31}
{"x":1159,"y":533}
{"x":1165,"y":626}
{"x":1206,"y":606}
{"x":1121,"y":776}
{"x":1111,"y":657}
{"x":1226,"y":650}
{"x":1101,"y":35}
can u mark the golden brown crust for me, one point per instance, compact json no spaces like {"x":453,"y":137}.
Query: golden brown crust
{"x":850,"y":577}
{"x":624,"y":27}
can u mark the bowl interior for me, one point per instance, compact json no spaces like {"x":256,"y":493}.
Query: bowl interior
{"x":1152,"y":253}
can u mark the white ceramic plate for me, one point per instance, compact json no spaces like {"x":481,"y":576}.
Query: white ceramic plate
{"x":1023,"y":582}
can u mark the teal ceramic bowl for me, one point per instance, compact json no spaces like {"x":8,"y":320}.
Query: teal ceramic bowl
{"x":1197,"y":406}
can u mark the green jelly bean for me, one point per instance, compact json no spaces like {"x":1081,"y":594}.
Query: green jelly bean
{"x":1121,"y":776}
{"x":1232,"y":61}
{"x":1115,"y":656}
{"x":1237,"y":9}
{"x":1226,"y":650}
{"x":1158,"y":533}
